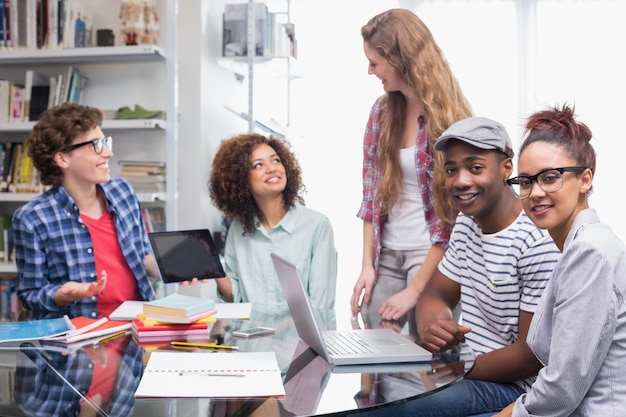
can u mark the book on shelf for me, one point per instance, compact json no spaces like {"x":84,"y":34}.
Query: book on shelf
{"x":77,"y":88}
{"x":69,"y":86}
{"x":274,"y":37}
{"x":16,"y":103}
{"x":146,"y":182}
{"x":8,"y":162}
{"x":235,"y":30}
{"x":178,"y":305}
{"x":36,"y":86}
{"x":17,"y":172}
{"x":9,"y":244}
{"x":65,"y":80}
{"x":26,"y":24}
{"x":192,"y":375}
{"x":18,"y":148}
{"x":3,"y":21}
{"x":5,"y":94}
{"x":34,"y":329}
{"x":154,"y":219}
{"x":142,"y":167}
{"x":52,"y":93}
{"x":40,"y":95}
{"x":9,"y":304}
{"x":26,"y":174}
{"x":5,"y":223}
{"x":44,"y":24}
{"x":11,"y":16}
{"x":89,"y":328}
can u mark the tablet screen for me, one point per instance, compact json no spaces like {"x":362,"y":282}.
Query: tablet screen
{"x":186,"y":254}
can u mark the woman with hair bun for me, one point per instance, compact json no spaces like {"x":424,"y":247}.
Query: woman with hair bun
{"x":578,"y":331}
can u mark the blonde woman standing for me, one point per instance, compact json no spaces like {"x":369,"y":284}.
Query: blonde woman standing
{"x":406,"y":215}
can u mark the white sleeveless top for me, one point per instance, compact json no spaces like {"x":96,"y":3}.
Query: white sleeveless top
{"x":405,"y":228}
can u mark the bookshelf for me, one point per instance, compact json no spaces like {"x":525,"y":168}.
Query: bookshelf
{"x":119,"y":76}
{"x":271,"y":64}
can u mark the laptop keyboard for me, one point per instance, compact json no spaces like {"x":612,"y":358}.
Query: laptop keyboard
{"x":339,"y":343}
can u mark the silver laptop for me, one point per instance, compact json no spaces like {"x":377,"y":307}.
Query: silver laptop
{"x":339,"y":347}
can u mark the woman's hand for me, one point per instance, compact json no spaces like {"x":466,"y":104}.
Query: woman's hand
{"x":363,"y":286}
{"x":396,"y":306}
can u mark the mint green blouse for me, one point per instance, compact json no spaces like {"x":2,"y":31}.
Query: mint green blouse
{"x":304,"y":237}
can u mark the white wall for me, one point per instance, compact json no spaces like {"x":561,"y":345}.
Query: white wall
{"x":330,"y":108}
{"x":331,"y":102}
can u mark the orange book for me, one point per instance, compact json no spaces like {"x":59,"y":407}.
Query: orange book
{"x":140,"y":326}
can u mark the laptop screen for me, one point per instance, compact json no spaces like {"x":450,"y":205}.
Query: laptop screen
{"x":186,"y":254}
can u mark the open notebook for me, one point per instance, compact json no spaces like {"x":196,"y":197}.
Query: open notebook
{"x":375,"y":345}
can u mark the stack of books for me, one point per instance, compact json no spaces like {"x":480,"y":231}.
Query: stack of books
{"x":144,"y":176}
{"x":174,"y":317}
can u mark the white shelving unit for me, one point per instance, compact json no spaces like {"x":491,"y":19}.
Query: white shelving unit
{"x":120,"y":59}
{"x":245,"y":67}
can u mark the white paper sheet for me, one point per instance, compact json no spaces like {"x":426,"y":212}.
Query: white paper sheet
{"x":211,"y":375}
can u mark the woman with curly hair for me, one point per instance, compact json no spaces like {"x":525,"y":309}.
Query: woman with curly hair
{"x":257,"y":183}
{"x":406,"y":214}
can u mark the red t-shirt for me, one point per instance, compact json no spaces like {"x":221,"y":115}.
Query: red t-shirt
{"x":121,"y":282}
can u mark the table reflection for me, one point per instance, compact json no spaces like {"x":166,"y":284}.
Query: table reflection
{"x":101,"y":380}
{"x":91,"y":381}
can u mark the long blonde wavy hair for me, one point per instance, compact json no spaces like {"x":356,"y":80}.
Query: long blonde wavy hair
{"x":407,"y":44}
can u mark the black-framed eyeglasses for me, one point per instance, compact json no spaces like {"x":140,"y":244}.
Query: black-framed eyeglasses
{"x":550,"y":180}
{"x":98,"y":144}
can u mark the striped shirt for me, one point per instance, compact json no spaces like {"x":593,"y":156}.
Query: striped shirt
{"x":500,"y":274}
{"x":424,"y":171}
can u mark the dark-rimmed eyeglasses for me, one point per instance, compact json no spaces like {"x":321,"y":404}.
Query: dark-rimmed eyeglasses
{"x":550,"y":180}
{"x":98,"y":144}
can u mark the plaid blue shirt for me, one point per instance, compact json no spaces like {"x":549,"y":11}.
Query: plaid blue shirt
{"x":53,"y":246}
{"x":424,"y":170}
{"x":46,"y":381}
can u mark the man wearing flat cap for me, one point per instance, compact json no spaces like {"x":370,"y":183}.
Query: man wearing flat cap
{"x":497,"y":266}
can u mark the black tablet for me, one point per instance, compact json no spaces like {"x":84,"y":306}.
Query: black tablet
{"x":186,"y":254}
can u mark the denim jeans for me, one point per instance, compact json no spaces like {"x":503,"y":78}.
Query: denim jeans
{"x":465,"y":398}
